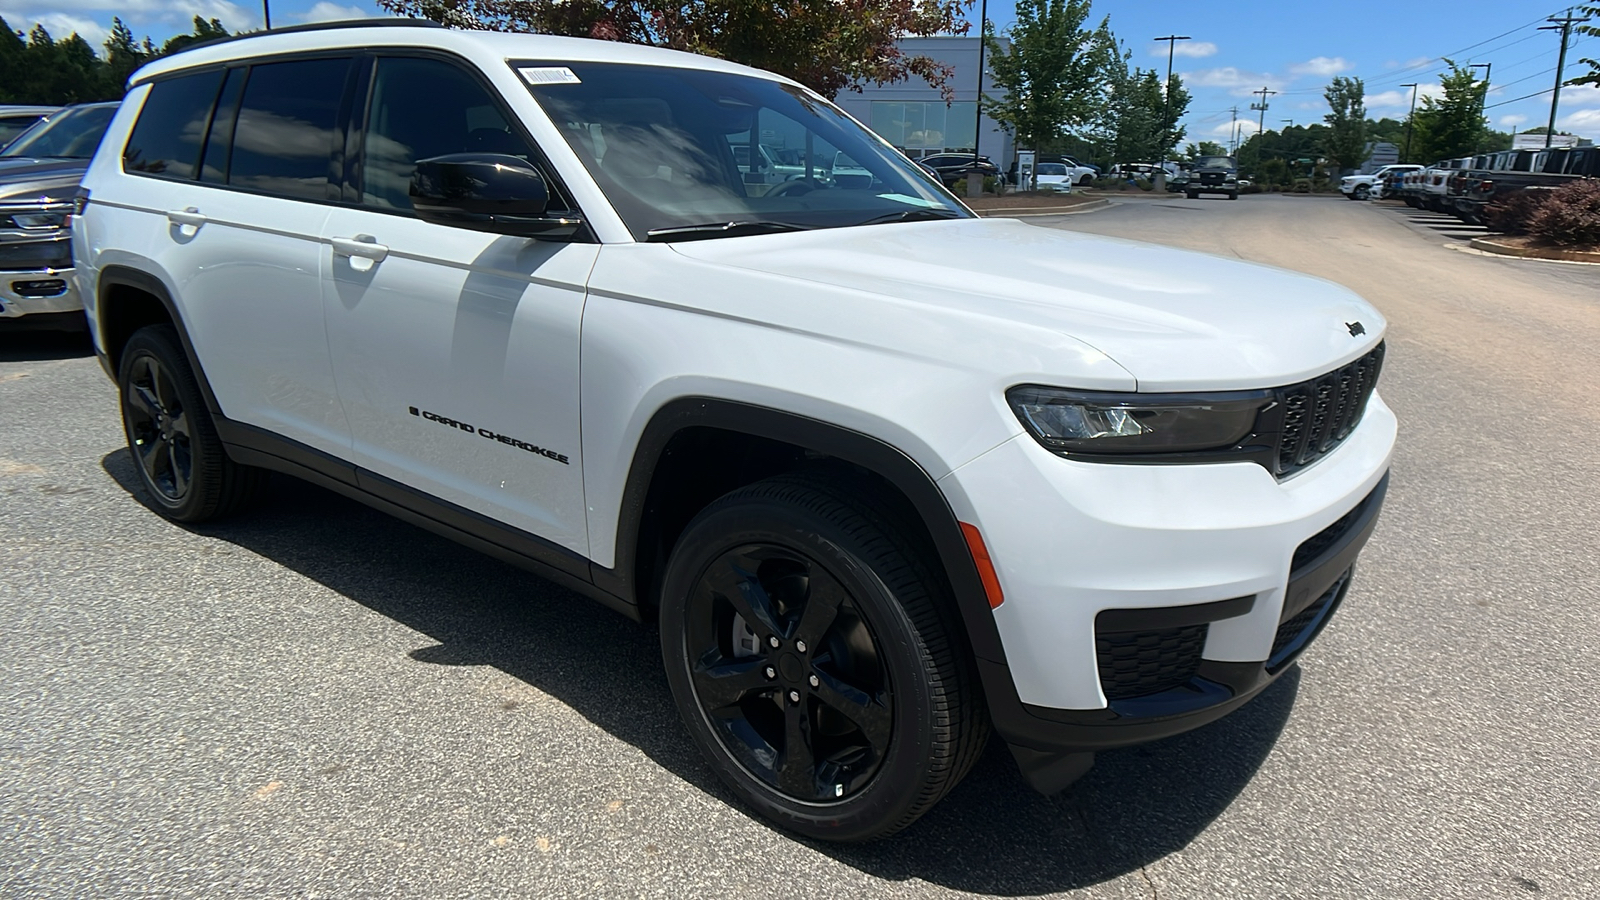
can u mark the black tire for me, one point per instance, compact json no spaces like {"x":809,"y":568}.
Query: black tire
{"x":888,"y":717}
{"x":1192,"y":195}
{"x":1086,"y":180}
{"x":1233,"y":195}
{"x":180,"y":460}
{"x":1362,"y":192}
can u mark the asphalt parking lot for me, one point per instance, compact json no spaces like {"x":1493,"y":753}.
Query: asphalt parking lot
{"x":321,"y":701}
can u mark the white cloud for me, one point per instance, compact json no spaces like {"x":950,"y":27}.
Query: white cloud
{"x":60,"y":25}
{"x":1584,"y":123}
{"x":1322,"y":66}
{"x":326,"y":11}
{"x":1246,"y":128}
{"x":1238,"y":82}
{"x":1583,"y":95}
{"x":161,"y":19}
{"x":1191,"y":49}
{"x":1512,"y":120}
{"x":1400,"y":98}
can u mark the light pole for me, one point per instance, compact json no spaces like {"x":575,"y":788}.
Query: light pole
{"x":1409,"y":117}
{"x":266,"y":14}
{"x":1166,"y":108}
{"x":977,"y":123}
{"x":1483,"y":100}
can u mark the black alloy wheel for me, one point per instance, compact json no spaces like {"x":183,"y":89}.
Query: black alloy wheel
{"x":159,"y":430}
{"x":787,"y":672}
{"x":815,"y":658}
{"x":180,"y":459}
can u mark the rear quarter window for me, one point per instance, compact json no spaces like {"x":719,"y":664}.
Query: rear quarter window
{"x":171,"y":129}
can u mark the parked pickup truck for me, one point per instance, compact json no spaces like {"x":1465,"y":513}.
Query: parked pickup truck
{"x":1429,"y":188}
{"x":1364,"y":187}
{"x":1509,"y":171}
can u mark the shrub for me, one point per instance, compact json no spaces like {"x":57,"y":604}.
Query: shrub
{"x":1513,"y":213}
{"x":1570,"y":216}
{"x":1144,"y":184}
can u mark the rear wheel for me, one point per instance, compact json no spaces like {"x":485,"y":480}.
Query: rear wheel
{"x":1233,"y":195}
{"x":175,"y":447}
{"x":1192,"y":195}
{"x":812,"y":663}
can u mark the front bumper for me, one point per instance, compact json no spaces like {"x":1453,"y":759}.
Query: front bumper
{"x":1099,"y":552}
{"x":38,"y":292}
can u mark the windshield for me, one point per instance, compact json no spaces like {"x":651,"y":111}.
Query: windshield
{"x":671,"y":149}
{"x":1051,"y":169}
{"x":73,"y":133}
{"x":1214,"y":162}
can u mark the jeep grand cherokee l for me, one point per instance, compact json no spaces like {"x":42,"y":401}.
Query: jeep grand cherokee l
{"x":886,"y":474}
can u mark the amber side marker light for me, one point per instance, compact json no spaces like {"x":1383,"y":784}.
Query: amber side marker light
{"x":986,"y":573}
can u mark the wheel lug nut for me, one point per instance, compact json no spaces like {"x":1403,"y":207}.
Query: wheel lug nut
{"x":800,"y":645}
{"x":774,"y":642}
{"x":814,"y":681}
{"x":794,"y":696}
{"x":771,"y":672}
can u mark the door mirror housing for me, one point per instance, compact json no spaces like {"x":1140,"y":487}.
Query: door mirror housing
{"x":487,"y":192}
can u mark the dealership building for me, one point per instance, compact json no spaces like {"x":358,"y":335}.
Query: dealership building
{"x":916,"y":118}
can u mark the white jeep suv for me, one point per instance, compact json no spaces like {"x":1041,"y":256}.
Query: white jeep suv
{"x":887,"y":474}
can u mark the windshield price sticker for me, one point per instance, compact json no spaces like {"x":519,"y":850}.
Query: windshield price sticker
{"x":548,"y":75}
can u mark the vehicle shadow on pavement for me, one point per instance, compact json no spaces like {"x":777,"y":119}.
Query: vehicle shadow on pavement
{"x":18,"y":345}
{"x":991,"y":835}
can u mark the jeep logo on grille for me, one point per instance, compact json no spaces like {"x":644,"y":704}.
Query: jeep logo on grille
{"x":1356,"y":328}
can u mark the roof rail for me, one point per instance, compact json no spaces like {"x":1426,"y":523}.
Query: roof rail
{"x":390,"y":22}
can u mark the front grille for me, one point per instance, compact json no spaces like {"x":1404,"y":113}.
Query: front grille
{"x":23,"y":256}
{"x":1140,"y":663}
{"x":1319,"y":414}
{"x":1295,"y":633}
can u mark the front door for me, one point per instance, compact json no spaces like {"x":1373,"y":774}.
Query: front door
{"x":455,"y":351}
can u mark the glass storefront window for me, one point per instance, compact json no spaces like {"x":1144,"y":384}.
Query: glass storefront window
{"x":921,"y":127}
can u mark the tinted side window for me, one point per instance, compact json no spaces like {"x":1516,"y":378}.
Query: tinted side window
{"x":172,"y":126}
{"x":283,"y":142}
{"x":423,"y":108}
{"x":214,"y":161}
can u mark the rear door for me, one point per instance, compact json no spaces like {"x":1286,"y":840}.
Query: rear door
{"x":229,"y":175}
{"x":456,"y":351}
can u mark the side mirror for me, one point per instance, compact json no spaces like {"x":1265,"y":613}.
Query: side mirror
{"x":487,"y":192}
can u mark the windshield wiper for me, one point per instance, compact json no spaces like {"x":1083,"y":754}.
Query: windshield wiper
{"x":912,"y":215}
{"x":719,"y":229}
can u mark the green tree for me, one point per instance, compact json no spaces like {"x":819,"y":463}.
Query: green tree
{"x":203,"y":31}
{"x":123,"y":55}
{"x":1053,"y":72}
{"x":825,"y":44}
{"x":1140,"y":121}
{"x":1345,"y":144}
{"x":1453,"y":125}
{"x":1590,"y":30}
{"x":1204,"y":148}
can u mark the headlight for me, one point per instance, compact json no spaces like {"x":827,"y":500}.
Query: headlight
{"x":1083,"y":422}
{"x":40,"y":220}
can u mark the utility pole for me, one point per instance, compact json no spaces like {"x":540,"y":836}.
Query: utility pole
{"x":1563,"y":25}
{"x":1483,"y":100}
{"x":1412,"y":115}
{"x":1290,"y":121}
{"x":1233,"y":133}
{"x":266,"y":14}
{"x":1166,"y":108}
{"x":1261,"y":124}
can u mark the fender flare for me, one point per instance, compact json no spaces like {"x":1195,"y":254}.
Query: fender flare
{"x":127,"y":276}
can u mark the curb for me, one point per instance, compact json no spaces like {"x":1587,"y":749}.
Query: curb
{"x":1027,"y":211}
{"x":1489,"y":246}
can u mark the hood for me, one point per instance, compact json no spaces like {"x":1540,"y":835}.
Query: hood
{"x":31,"y":180}
{"x":1175,"y":319}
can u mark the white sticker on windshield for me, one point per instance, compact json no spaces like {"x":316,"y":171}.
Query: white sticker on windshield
{"x":906,"y":198}
{"x":548,"y":75}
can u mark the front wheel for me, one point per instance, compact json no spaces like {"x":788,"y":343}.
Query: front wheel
{"x":175,"y":447}
{"x":1233,"y":195}
{"x":1362,"y":192}
{"x":815,"y":663}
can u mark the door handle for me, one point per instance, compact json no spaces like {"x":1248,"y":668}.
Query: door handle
{"x":190,"y":217}
{"x":364,"y":246}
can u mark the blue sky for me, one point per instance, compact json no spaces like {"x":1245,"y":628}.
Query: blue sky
{"x":1238,"y":46}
